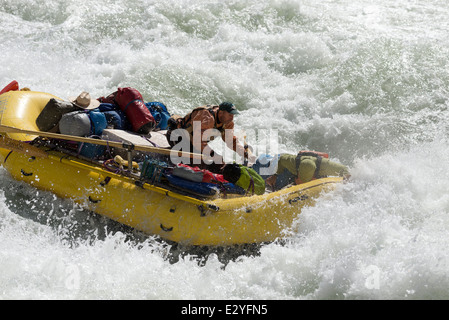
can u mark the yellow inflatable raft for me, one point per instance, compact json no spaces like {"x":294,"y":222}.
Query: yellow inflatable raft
{"x":150,"y":208}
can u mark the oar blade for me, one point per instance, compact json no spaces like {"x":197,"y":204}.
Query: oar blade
{"x":22,"y":147}
{"x":114,"y":144}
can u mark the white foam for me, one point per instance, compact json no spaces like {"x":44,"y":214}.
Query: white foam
{"x":366,"y":83}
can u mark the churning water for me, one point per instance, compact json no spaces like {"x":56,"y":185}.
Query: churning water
{"x":367,"y":82}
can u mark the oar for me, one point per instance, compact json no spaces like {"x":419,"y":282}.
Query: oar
{"x":20,"y":146}
{"x":128,"y":146}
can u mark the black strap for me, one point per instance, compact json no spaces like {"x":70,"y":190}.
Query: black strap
{"x":126,"y":107}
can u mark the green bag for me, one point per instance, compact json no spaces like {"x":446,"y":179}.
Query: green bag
{"x":244,"y":177}
{"x":52,"y":113}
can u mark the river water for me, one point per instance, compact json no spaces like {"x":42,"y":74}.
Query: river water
{"x":367,"y":82}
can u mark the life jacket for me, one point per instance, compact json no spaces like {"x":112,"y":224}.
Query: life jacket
{"x":244,"y":177}
{"x":131,"y":103}
{"x":318,"y":155}
{"x":186,"y":122}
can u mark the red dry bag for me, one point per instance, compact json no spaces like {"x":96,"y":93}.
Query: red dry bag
{"x":12,"y":86}
{"x":131,"y":103}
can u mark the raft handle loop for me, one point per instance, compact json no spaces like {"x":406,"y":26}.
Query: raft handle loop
{"x":105,"y":181}
{"x":302,"y":197}
{"x":202,"y":211}
{"x":213,"y":207}
{"x":93,"y":201}
{"x":166,"y":229}
{"x":26,"y":174}
{"x":6,"y":158}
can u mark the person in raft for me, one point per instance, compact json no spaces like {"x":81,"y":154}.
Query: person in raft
{"x":306,"y":168}
{"x":195,"y":123}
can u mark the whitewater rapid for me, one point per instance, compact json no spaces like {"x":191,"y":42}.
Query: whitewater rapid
{"x":366,"y":82}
